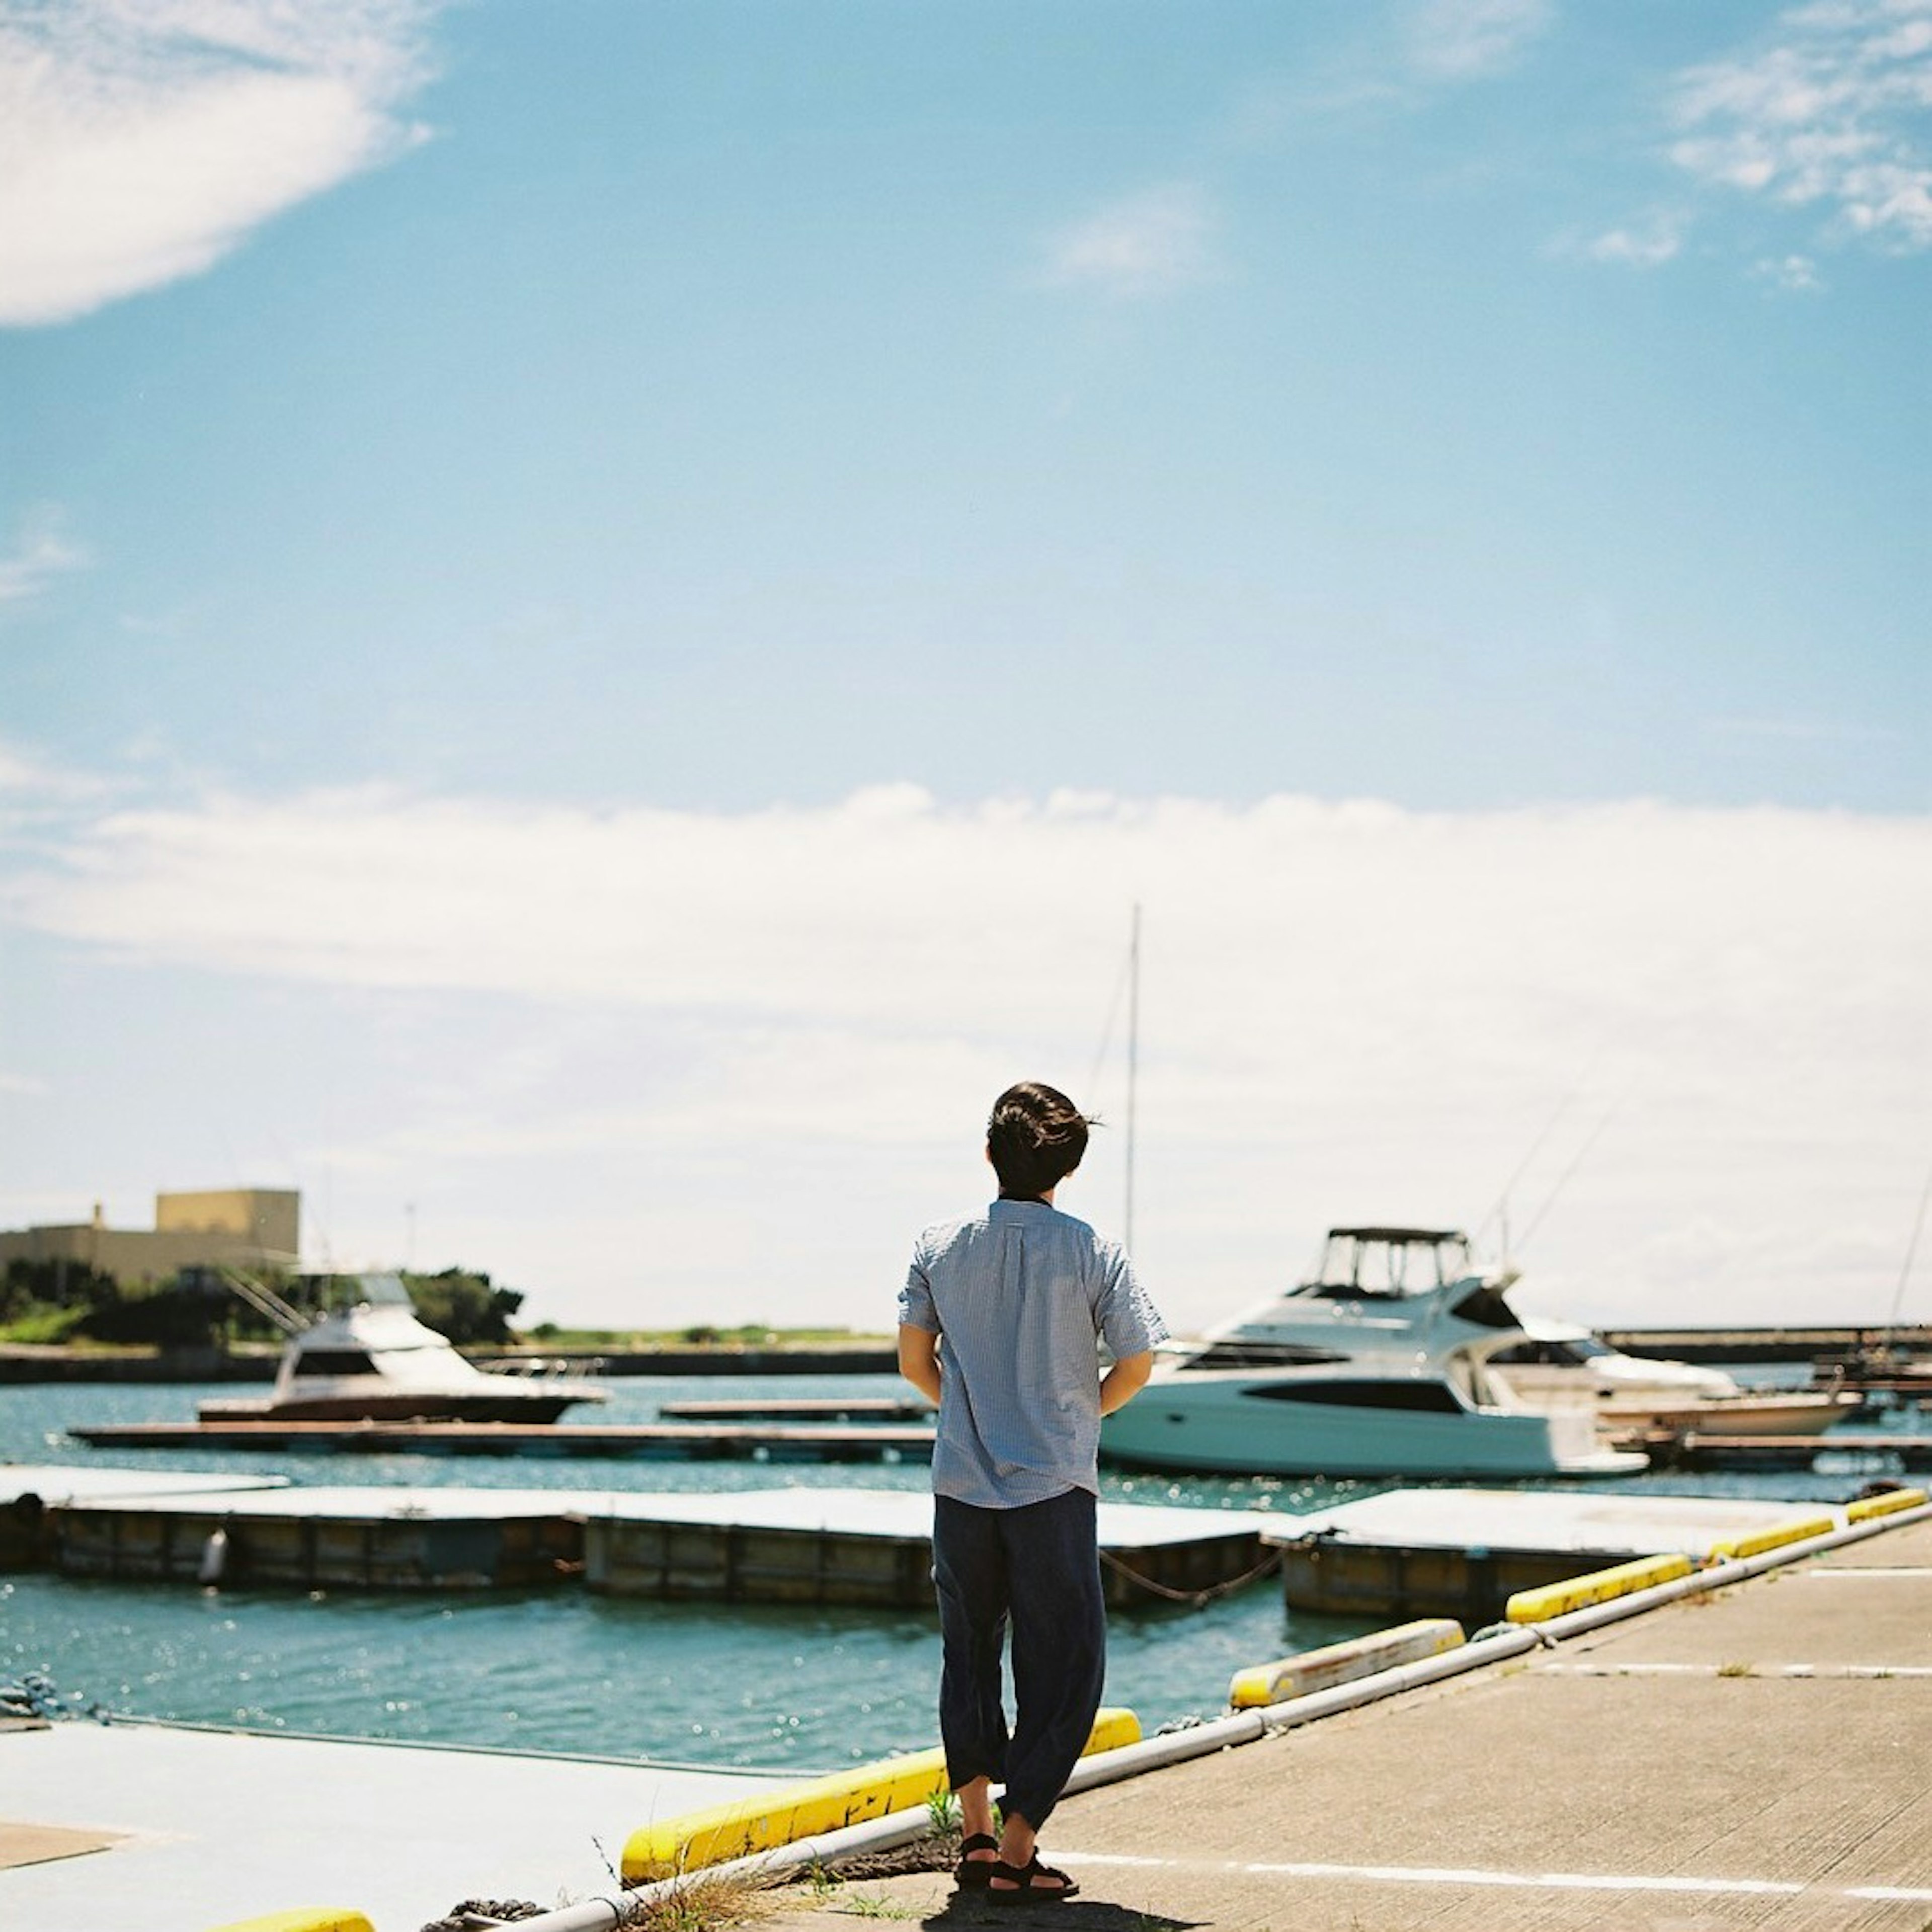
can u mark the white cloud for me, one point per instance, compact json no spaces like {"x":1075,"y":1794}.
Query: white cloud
{"x":41,"y":552}
{"x":1648,"y":247}
{"x":1148,"y":245}
{"x":1797,"y":274}
{"x":30,"y":788}
{"x":1827,"y":113}
{"x":141,"y":140}
{"x":743,"y":1055}
{"x":1470,"y":40}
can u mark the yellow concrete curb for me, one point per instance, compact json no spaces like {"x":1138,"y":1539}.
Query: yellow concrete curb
{"x":1620,"y":1579}
{"x":1335,"y":1664}
{"x":803,"y":1810}
{"x":1776,"y":1537}
{"x":312,"y":1919}
{"x":1892,"y":1501}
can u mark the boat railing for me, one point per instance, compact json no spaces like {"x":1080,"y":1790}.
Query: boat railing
{"x":546,"y":1368}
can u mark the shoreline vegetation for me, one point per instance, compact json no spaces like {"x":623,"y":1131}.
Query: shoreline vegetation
{"x":63,"y":1321}
{"x":67,"y":1305}
{"x":562,"y":1342}
{"x":751,"y":1349}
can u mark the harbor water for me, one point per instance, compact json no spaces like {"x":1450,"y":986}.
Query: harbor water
{"x":740,"y":1686}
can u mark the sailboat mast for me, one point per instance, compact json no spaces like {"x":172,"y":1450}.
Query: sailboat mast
{"x":1133,"y":1063}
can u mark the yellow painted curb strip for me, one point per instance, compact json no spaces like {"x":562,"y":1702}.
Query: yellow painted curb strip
{"x":1620,"y":1579}
{"x":1776,"y":1537}
{"x":1342,"y":1663}
{"x":315,"y":1918}
{"x":1893,"y":1500}
{"x":803,"y":1810}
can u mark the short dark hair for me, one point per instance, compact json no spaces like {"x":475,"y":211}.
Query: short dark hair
{"x":1035,"y":1138}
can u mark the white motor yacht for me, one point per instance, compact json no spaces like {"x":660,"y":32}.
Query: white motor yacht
{"x":367,"y":1357}
{"x":1560,"y":1362}
{"x":1377,"y":1366}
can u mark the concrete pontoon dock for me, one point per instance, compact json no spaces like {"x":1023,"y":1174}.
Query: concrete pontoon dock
{"x":1867,"y":1450}
{"x":803,"y":1409}
{"x":815,"y":1546}
{"x":367,"y":1538}
{"x":1464,"y":1552}
{"x":30,"y":1493}
{"x":801,"y":1545}
{"x":772,"y":1442}
{"x":176,"y":1829}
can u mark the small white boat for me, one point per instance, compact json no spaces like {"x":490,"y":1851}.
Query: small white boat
{"x":1559,"y":1362}
{"x":1378,"y":1365}
{"x":368,"y":1358}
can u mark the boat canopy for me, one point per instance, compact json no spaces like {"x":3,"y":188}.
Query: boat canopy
{"x":1390,"y":1260}
{"x":1416,"y":1235}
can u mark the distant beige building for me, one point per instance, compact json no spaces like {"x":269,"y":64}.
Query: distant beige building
{"x":246,"y":1227}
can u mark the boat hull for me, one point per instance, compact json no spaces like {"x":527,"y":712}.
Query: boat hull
{"x":1224,"y":1431}
{"x":1778,"y":1414}
{"x":399,"y":1406}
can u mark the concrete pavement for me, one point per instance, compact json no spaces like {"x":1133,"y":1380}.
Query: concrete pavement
{"x":1758,"y":1755}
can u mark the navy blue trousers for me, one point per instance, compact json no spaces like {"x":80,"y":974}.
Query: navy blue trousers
{"x":1037,"y":1570}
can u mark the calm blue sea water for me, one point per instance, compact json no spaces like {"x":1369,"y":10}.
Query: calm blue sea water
{"x":565,"y":1670}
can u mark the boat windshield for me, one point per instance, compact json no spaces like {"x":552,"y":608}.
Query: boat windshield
{"x":331,"y":1293}
{"x":1363,"y":1262}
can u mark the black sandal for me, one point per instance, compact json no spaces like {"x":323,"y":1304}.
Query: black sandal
{"x":970,"y":1873}
{"x":1024,"y":1881}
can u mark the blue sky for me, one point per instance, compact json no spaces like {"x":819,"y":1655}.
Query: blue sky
{"x":455,"y":461}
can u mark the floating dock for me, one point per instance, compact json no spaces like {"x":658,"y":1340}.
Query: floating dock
{"x":875,"y":1546}
{"x":801,"y":1409}
{"x":1464,"y":1553}
{"x":793,"y":1546}
{"x":1690,"y":1450}
{"x":312,"y":1539}
{"x":31,"y":1495}
{"x":664,"y":1441}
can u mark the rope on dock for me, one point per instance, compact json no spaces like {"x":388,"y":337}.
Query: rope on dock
{"x":472,"y":1913}
{"x":1212,"y":1593}
{"x":37,"y":1695}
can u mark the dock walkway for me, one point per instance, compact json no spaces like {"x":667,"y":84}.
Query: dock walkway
{"x":711,"y":1442}
{"x":1754,"y":1756}
{"x":803,"y":1545}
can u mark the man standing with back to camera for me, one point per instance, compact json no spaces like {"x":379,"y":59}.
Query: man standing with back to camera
{"x":998,"y":1325}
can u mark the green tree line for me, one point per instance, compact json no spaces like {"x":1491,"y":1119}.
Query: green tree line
{"x":69,"y":1301}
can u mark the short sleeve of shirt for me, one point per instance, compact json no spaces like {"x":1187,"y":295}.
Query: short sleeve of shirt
{"x":917,"y":1309}
{"x":1129,"y":1324}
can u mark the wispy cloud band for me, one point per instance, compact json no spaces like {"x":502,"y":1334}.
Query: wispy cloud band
{"x":140,"y":140}
{"x":1829,"y":113}
{"x":1367,"y":1010}
{"x":42,"y":551}
{"x":1150,"y":244}
{"x":1472,"y":40}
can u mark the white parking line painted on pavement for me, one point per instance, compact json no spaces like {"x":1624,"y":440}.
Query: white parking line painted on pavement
{"x":1827,"y":1574}
{"x":1521,"y":1881}
{"x":1860,"y":1670}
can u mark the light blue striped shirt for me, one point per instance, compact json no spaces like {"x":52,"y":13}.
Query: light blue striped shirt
{"x":1021,"y":1295}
